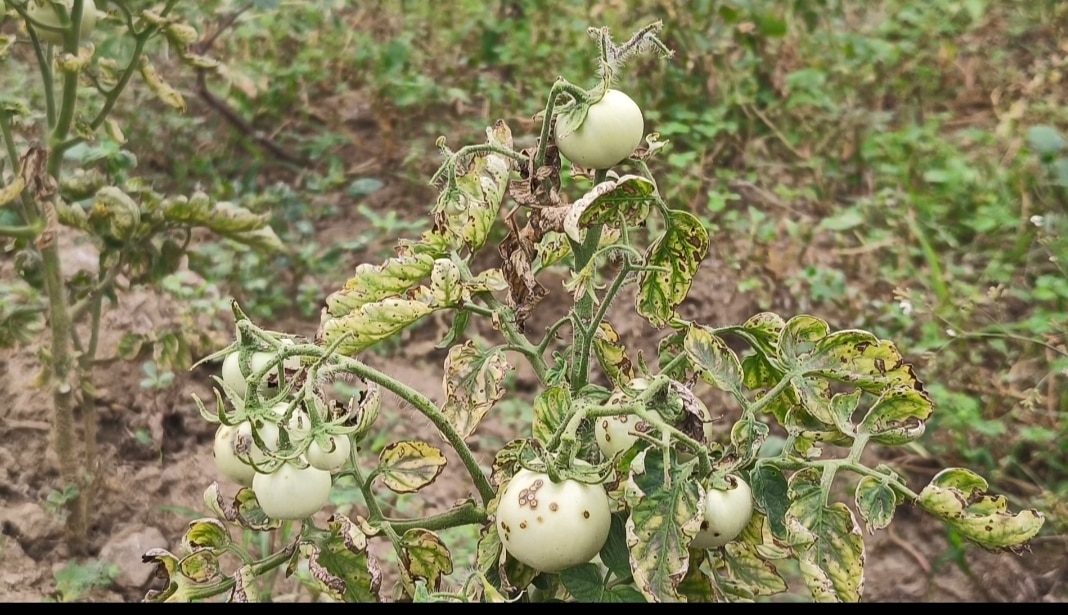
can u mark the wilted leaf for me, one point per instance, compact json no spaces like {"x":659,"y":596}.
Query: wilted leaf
{"x":200,"y":567}
{"x":679,"y":252}
{"x":828,"y":543}
{"x":243,"y":590}
{"x":665,"y":514}
{"x":612,"y":354}
{"x":243,"y":511}
{"x":206,"y":533}
{"x":627,"y":199}
{"x":178,"y":587}
{"x":550,"y":408}
{"x":468,"y":213}
{"x":21,"y":314}
{"x":407,"y":467}
{"x":163,"y":91}
{"x":719,"y":365}
{"x":898,"y":416}
{"x":425,"y":557}
{"x":372,"y":283}
{"x":956,"y":495}
{"x":340,"y":564}
{"x":371,"y":323}
{"x":472,"y":383}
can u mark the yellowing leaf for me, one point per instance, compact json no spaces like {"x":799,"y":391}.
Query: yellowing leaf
{"x":956,"y":495}
{"x":472,"y":383}
{"x":340,"y":564}
{"x":163,"y":91}
{"x":408,"y":466}
{"x":425,"y":557}
{"x":677,"y":254}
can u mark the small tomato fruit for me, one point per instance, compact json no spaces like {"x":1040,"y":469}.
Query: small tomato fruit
{"x":551,"y":526}
{"x":612,"y":130}
{"x":330,"y":460}
{"x":726,"y":515}
{"x":43,"y":11}
{"x":299,"y":425}
{"x":291,"y":492}
{"x":226,"y":459}
{"x":616,"y":434}
{"x":235,"y":378}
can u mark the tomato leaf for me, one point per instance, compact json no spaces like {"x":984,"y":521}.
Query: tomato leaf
{"x":612,"y":355}
{"x":243,"y":590}
{"x":472,"y":211}
{"x":665,"y":514}
{"x":424,"y":556}
{"x":697,"y":585}
{"x":200,"y":567}
{"x":956,"y":495}
{"x":826,"y":539}
{"x":243,"y":511}
{"x":340,"y":564}
{"x":372,"y":323}
{"x":178,"y":587}
{"x":875,"y":502}
{"x":746,"y":572}
{"x":677,"y":254}
{"x":222,"y":218}
{"x":623,"y":594}
{"x":898,"y":416}
{"x":620,"y":202}
{"x":445,"y":283}
{"x":583,"y":582}
{"x":550,"y":408}
{"x":718,"y":363}
{"x":473,"y":383}
{"x":408,"y":466}
{"x":747,"y":436}
{"x":615,"y":554}
{"x":207,"y":533}
{"x":770,"y":495}
{"x":373,"y":283}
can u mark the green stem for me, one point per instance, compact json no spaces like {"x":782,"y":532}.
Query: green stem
{"x":759,"y":405}
{"x":29,"y":214}
{"x":585,"y":325}
{"x":430,"y":411}
{"x":561,"y":86}
{"x":467,"y":513}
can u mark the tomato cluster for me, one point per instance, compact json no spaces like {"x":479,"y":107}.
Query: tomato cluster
{"x":45,"y":12}
{"x":299,"y":486}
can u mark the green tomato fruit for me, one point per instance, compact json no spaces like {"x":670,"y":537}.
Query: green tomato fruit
{"x":611,"y":132}
{"x":292,"y":493}
{"x":551,"y":526}
{"x":323,"y":458}
{"x":235,"y":378}
{"x":227,"y":460}
{"x":44,"y":11}
{"x":726,"y":515}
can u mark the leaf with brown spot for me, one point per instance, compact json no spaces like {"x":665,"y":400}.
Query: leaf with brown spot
{"x":472,"y":384}
{"x":207,"y":533}
{"x":243,"y":511}
{"x":408,"y":466}
{"x":612,"y":355}
{"x":425,"y":557}
{"x":340,"y":564}
{"x":243,"y":590}
{"x":676,"y":255}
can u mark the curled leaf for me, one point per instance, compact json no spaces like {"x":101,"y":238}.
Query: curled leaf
{"x":407,"y":467}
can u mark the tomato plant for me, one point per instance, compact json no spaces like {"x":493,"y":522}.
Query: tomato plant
{"x":54,"y":180}
{"x":623,"y":486}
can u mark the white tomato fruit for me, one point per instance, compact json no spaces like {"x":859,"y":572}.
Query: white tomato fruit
{"x":611,"y":131}
{"x":616,"y":434}
{"x":292,"y":493}
{"x":245,"y":445}
{"x":330,"y":460}
{"x":227,"y":460}
{"x":551,"y":526}
{"x":235,"y":378}
{"x":299,"y":425}
{"x":726,"y":515}
{"x":44,"y":12}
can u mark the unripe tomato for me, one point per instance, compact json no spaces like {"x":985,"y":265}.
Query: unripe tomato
{"x":245,"y":445}
{"x":616,"y":434}
{"x":551,"y":526}
{"x":291,"y":492}
{"x":330,"y":460}
{"x":235,"y":378}
{"x":726,"y":515}
{"x":611,"y":132}
{"x":226,"y":459}
{"x":43,"y":11}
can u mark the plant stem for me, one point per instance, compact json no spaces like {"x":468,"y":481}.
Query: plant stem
{"x":585,"y":324}
{"x":467,"y":513}
{"x":258,"y":568}
{"x":430,"y":411}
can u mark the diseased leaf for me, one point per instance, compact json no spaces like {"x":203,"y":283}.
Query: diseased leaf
{"x":425,"y":557}
{"x":371,"y":323}
{"x":627,"y":199}
{"x":677,"y":254}
{"x":746,"y":572}
{"x":163,"y":91}
{"x":550,"y":408}
{"x":898,"y":416}
{"x":207,"y":533}
{"x":957,"y":496}
{"x":243,"y":590}
{"x":876,"y":502}
{"x":243,"y":511}
{"x":445,"y":283}
{"x":467,"y":214}
{"x":178,"y":587}
{"x":826,"y":539}
{"x":472,"y":383}
{"x":408,"y":466}
{"x":718,"y":363}
{"x":612,"y":355}
{"x":340,"y":563}
{"x":697,"y":585}
{"x":770,"y":495}
{"x":373,"y":283}
{"x":665,"y":514}
{"x":200,"y":567}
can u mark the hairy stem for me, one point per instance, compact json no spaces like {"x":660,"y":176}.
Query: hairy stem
{"x":585,"y":325}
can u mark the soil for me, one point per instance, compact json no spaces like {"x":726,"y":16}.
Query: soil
{"x":151,"y":487}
